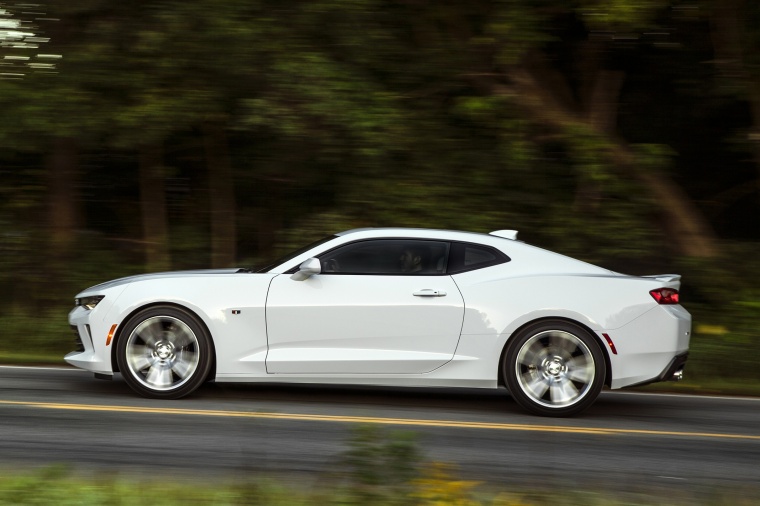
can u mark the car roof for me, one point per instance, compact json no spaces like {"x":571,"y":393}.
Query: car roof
{"x":428,"y":233}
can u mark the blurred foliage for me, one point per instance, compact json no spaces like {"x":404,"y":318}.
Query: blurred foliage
{"x":380,"y":465}
{"x":437,"y":485}
{"x":724,"y":302}
{"x":558,"y":119}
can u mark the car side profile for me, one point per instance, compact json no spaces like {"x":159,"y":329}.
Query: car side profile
{"x":394,"y":307}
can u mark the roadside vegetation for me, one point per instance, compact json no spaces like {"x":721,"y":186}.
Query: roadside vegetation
{"x":58,"y":487}
{"x":380,"y":468}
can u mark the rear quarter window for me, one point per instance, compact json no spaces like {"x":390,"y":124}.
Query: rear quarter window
{"x":468,"y":257}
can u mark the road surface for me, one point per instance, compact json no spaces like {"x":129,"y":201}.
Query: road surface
{"x":627,"y":441}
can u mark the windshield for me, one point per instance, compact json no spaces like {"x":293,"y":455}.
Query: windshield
{"x":290,"y":256}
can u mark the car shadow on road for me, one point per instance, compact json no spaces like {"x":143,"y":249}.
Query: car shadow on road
{"x":479,"y":402}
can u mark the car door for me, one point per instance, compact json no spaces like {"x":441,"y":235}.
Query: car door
{"x":375,"y":308}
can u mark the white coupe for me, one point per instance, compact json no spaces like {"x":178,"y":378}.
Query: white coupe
{"x":400,"y":307}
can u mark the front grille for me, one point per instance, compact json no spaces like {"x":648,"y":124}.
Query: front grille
{"x":79,"y":344}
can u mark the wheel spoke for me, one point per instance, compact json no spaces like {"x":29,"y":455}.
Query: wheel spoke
{"x":563,"y":392}
{"x":181,"y":336}
{"x":536,"y":386}
{"x":580,"y":369}
{"x":184,"y":364}
{"x":159,"y":376}
{"x":532,"y":355}
{"x":150,"y":332}
{"x":139,"y":357}
{"x":561,"y":343}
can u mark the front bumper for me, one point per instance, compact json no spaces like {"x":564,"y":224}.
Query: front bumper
{"x":87,"y":356}
{"x":89,"y":362}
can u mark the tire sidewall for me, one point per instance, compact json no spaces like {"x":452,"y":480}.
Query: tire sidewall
{"x":510,"y":374}
{"x":204,"y":350}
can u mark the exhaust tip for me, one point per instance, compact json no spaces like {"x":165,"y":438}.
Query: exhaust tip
{"x":678,"y":375}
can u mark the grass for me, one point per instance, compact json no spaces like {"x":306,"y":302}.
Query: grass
{"x":436,"y":485}
{"x":9,"y":358}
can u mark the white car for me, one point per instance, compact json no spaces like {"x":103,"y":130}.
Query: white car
{"x":400,"y":307}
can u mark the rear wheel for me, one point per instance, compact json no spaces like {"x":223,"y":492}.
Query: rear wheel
{"x":164,"y":352}
{"x":554,"y":368}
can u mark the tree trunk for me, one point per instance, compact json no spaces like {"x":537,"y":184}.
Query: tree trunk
{"x":64,"y":214}
{"x":602,"y":107}
{"x":601,"y":111}
{"x":221,"y":196}
{"x":153,"y":208}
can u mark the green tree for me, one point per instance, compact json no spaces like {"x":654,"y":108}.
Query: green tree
{"x":565,"y":65}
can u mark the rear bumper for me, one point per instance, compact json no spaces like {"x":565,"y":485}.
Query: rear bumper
{"x":651,"y":348}
{"x":673,"y":372}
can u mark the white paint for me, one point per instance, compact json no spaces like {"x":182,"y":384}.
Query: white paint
{"x":368,"y":330}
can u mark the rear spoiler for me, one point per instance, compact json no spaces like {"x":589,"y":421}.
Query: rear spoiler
{"x":506,"y":234}
{"x":665,"y":278}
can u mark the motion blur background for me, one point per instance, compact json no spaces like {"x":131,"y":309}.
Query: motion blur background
{"x":157,"y":135}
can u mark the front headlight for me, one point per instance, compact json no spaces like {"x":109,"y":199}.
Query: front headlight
{"x":88,"y":302}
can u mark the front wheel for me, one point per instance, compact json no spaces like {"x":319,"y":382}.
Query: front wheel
{"x":554,"y":368}
{"x":164,"y":352}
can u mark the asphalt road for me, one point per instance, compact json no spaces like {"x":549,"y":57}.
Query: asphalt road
{"x":626,"y":441}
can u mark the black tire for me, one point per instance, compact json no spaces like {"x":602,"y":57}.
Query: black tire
{"x":164,"y":352}
{"x":554,"y":368}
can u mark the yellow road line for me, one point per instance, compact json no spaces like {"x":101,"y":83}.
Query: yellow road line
{"x":375,"y":420}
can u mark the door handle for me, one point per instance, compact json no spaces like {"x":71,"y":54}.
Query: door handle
{"x":428,"y":292}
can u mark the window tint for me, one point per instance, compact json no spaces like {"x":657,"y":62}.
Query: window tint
{"x":387,"y":256}
{"x":474,"y":256}
{"x":467,"y":257}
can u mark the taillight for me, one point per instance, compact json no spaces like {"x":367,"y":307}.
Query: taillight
{"x":665,"y":295}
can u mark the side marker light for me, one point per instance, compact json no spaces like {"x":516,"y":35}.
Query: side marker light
{"x":610,"y":344}
{"x":110,"y":334}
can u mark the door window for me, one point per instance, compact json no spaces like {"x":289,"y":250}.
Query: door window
{"x":395,"y":257}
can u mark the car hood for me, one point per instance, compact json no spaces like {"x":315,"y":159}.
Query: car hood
{"x":158,"y":275}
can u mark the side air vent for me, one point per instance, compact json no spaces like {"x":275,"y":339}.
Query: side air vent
{"x":78,"y":339}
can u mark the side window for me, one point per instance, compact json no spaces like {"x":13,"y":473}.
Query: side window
{"x":467,"y":257}
{"x":387,"y":256}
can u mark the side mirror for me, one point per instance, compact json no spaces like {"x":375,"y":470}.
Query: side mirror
{"x":307,"y":269}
